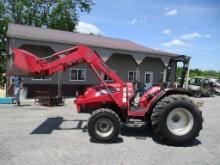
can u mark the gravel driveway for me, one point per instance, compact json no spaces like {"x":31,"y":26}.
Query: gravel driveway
{"x":36,"y":135}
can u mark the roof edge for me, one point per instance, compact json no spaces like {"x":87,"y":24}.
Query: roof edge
{"x":154,"y":51}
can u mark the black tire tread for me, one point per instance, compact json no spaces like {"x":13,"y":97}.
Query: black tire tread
{"x":161,"y":106}
{"x":96,"y":112}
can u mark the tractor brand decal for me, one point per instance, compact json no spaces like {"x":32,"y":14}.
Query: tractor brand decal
{"x":106,"y":91}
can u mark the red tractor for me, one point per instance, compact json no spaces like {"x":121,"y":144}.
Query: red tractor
{"x":173,"y":116}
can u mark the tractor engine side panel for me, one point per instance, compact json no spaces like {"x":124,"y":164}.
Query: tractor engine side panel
{"x":97,"y":96}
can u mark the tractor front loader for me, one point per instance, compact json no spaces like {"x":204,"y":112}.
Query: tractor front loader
{"x":174,"y":117}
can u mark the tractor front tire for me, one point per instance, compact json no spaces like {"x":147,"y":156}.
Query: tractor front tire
{"x":176,"y":120}
{"x":104,"y":125}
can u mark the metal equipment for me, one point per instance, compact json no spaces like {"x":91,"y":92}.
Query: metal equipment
{"x":201,"y":86}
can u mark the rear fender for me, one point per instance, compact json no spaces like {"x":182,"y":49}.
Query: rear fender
{"x":164,"y":93}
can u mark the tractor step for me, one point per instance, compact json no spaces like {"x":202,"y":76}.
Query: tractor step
{"x":136,"y":109}
{"x":135,"y":121}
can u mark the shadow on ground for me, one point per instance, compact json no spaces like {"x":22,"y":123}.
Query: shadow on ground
{"x":195,"y":142}
{"x":138,"y":131}
{"x":116,"y":141}
{"x":22,"y":105}
{"x":51,"y":124}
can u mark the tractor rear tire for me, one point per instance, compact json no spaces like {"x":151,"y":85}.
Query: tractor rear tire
{"x":104,"y":125}
{"x":176,"y":120}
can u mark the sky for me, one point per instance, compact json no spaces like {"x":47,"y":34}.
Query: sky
{"x":189,"y":27}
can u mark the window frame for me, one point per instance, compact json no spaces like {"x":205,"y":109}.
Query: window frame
{"x":41,"y":78}
{"x":134,"y":71}
{"x":77,"y":74}
{"x":151,"y":77}
{"x":103,"y":76}
{"x":196,"y":81}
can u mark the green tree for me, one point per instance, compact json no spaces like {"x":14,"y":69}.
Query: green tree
{"x":206,"y":73}
{"x":64,"y":15}
{"x":178,"y":72}
{"x":55,"y":14}
{"x":198,"y":72}
{"x":3,"y":29}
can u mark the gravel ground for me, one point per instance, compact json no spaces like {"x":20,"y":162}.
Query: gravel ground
{"x":33,"y":135}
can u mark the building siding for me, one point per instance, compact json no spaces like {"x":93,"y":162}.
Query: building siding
{"x":121,"y":64}
{"x":151,"y":65}
{"x":118,"y":60}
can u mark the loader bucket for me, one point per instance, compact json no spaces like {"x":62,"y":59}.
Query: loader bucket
{"x":25,"y":63}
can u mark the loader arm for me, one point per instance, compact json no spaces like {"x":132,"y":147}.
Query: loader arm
{"x":30,"y":65}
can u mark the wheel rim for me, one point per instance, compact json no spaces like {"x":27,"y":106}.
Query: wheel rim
{"x":104,"y":127}
{"x":180,"y":121}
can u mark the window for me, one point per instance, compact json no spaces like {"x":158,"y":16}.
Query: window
{"x":77,"y":74}
{"x":195,"y":81}
{"x":147,"y":78}
{"x":132,"y":75}
{"x":41,"y":78}
{"x":206,"y":82}
{"x":107,"y":78}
